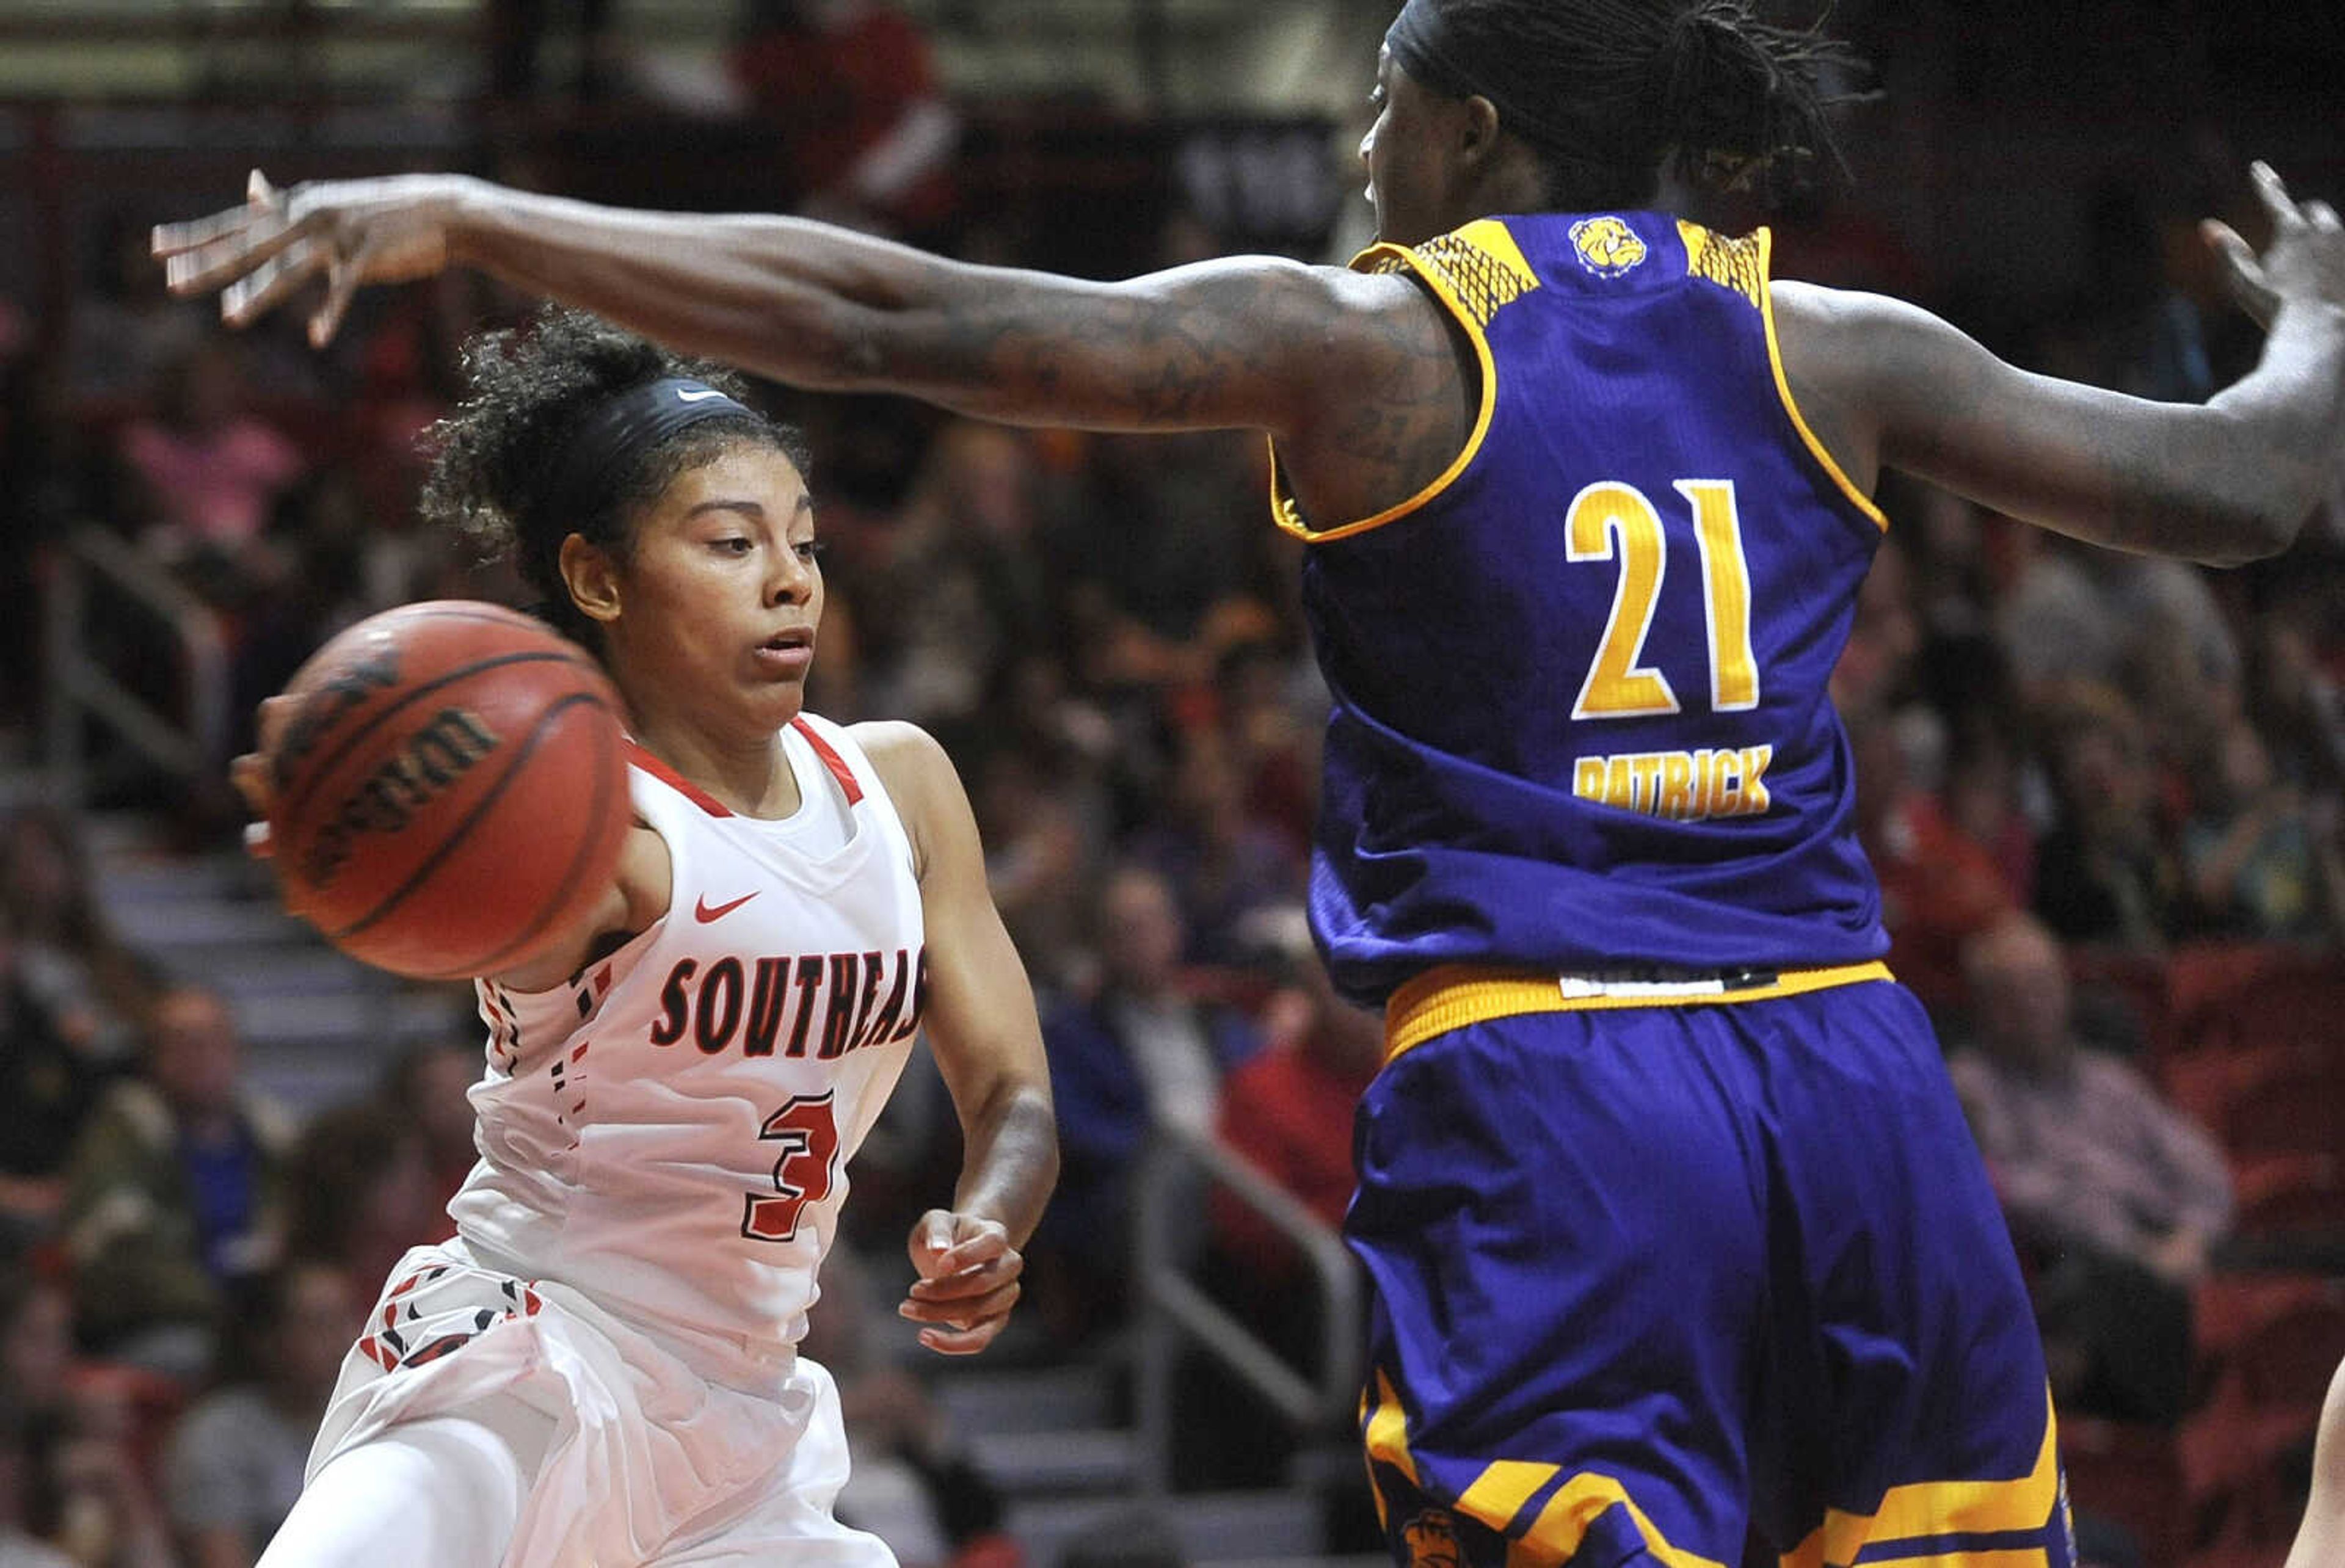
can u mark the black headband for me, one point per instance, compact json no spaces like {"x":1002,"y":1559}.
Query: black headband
{"x":1423,"y":45}
{"x":609,"y":436}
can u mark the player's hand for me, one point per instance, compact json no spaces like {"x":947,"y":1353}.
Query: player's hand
{"x":968,"y":1281}
{"x":2304,"y":262}
{"x":348,"y":232}
{"x":254,"y":773}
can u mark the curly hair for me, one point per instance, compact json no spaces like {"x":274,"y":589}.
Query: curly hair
{"x":494,"y":460}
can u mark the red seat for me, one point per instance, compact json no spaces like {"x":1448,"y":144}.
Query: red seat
{"x":2255,"y":997}
{"x":2289,"y":1193}
{"x":2285,"y":1098}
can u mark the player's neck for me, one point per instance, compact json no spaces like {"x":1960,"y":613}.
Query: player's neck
{"x":747,"y":773}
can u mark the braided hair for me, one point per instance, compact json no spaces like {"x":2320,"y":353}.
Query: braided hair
{"x":1606,"y":91}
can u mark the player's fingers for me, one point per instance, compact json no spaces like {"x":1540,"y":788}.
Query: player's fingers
{"x":960,"y":1314}
{"x":968,"y":1281}
{"x":2273,"y":194}
{"x":963,"y":1341}
{"x":266,"y":286}
{"x":2241,"y":271}
{"x":342,"y":278}
{"x":2321,"y":215}
{"x":973,"y":1251}
{"x":259,"y":234}
{"x":168,"y":239}
{"x":271,"y":718}
{"x":932,"y":1235}
{"x":257,"y":842}
{"x":250,"y":775}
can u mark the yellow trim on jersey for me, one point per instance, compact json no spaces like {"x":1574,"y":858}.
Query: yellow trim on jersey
{"x":1499,"y":1493}
{"x":1456,"y":995}
{"x":1862,"y":501}
{"x":1555,"y":1536}
{"x":2008,"y":1557}
{"x":1388,"y":1434}
{"x":1490,"y":236}
{"x":1929,"y":1509}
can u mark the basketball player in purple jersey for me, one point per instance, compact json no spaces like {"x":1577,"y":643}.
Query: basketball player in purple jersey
{"x":1680,"y":1250}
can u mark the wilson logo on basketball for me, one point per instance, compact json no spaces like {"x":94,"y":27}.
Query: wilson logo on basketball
{"x":435,"y":757}
{"x":344,"y":689}
{"x":832,"y":1003}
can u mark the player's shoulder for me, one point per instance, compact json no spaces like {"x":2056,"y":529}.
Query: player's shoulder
{"x":898,"y":748}
{"x":1859,"y":331}
{"x":910,"y":763}
{"x":918,"y":775}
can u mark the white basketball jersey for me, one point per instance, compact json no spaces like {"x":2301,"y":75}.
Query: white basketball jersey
{"x":669,"y":1132}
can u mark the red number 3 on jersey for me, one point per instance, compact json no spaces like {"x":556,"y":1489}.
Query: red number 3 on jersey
{"x":809,"y":1141}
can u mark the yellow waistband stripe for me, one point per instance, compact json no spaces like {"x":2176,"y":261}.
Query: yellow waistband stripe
{"x":1457,"y":995}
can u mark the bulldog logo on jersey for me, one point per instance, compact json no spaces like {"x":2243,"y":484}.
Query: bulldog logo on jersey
{"x":1432,"y":1541}
{"x":1607,"y":246}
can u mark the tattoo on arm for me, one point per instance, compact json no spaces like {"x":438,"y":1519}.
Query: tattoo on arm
{"x":1359,"y":379}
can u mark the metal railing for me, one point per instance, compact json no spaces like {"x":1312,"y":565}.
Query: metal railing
{"x":80,"y":687}
{"x":1178,"y":1168}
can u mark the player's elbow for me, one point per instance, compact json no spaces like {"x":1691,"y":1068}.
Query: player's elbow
{"x":2250,"y":530}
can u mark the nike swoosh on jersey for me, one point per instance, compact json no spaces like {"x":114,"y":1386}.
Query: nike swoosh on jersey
{"x":702,"y":913}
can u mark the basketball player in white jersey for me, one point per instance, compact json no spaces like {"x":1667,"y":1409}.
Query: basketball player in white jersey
{"x":599,"y":1369}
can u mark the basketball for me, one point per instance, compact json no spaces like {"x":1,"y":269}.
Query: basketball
{"x":450,"y":788}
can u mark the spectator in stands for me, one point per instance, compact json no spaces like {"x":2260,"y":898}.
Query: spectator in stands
{"x":19,"y":1547}
{"x":79,"y":1490}
{"x":170,"y":1196}
{"x":851,"y":89}
{"x":210,"y":470}
{"x":125,"y":328}
{"x":1939,"y":887}
{"x":2296,"y":705}
{"x":2103,"y":873}
{"x":1273,"y":716}
{"x":1223,"y":865}
{"x":2262,"y":862}
{"x":69,"y":958}
{"x":360,"y":1192}
{"x":429,"y":1087}
{"x":1038,"y":853}
{"x":1288,"y":1111}
{"x":2119,"y":1195}
{"x":2074,"y":615}
{"x":48,"y":1088}
{"x":234,"y":1464}
{"x":103,"y":1510}
{"x":36,"y":1349}
{"x":963,"y":551}
{"x":1986,"y":795}
{"x":1137,"y":1053}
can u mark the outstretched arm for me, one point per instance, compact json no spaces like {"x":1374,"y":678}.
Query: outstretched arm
{"x":1249,"y":342}
{"x":1889,"y":385}
{"x":981,"y":1024}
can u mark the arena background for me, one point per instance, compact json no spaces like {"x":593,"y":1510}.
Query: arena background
{"x":2143,"y":765}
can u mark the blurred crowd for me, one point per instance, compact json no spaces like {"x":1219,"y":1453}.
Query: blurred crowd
{"x":2071,"y":766}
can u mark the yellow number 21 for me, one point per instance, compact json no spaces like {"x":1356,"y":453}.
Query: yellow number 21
{"x":1610,"y":512}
